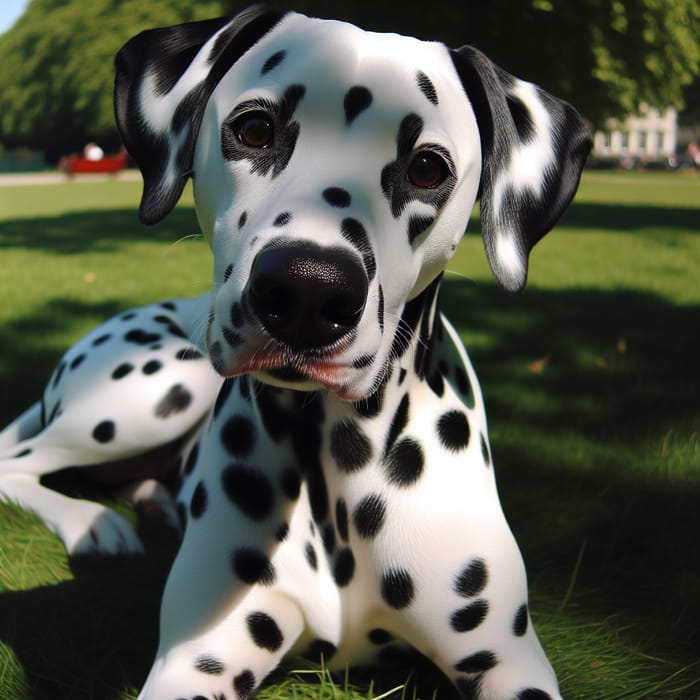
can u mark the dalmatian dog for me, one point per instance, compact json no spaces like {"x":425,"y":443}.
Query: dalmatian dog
{"x":342,"y":497}
{"x":125,"y":401}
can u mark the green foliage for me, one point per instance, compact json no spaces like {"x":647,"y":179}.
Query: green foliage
{"x":604,"y":56}
{"x":591,"y":379}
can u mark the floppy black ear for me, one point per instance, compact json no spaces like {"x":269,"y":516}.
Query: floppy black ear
{"x":533,"y":148}
{"x":162,"y":86}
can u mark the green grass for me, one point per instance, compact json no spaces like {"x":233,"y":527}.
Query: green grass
{"x":591,"y":379}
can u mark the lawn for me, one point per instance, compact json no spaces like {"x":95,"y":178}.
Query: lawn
{"x":592,"y":383}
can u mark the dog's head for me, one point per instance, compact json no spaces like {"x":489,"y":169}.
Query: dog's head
{"x":334,"y":174}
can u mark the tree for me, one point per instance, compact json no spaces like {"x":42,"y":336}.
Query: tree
{"x":604,"y":56}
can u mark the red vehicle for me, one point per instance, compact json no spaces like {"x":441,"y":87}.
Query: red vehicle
{"x":74,"y":164}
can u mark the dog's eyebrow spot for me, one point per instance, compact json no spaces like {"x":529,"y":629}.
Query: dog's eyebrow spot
{"x":427,"y":88}
{"x":273,"y":61}
{"x":357,"y":100}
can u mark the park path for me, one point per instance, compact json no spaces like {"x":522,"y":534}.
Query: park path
{"x":54,"y":178}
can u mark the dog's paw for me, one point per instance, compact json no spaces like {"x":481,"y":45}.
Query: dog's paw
{"x":92,"y":529}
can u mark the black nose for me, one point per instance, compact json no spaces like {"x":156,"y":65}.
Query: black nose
{"x":307,"y":296}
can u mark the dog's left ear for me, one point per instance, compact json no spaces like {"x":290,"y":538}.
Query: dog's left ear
{"x":533,"y":148}
{"x":162,"y":86}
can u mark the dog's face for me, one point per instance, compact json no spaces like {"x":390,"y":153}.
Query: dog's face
{"x":334,"y":174}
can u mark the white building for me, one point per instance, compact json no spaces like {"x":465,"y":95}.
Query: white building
{"x":650,"y":136}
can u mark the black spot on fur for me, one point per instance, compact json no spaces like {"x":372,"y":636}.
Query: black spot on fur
{"x":104,"y":431}
{"x":469,"y":687}
{"x":282,"y":219}
{"x":189,"y":353}
{"x":242,"y":219}
{"x":337,"y":197}
{"x":264,"y":631}
{"x":141,"y":337}
{"x":23,"y":453}
{"x":524,"y":123}
{"x":320,"y":650}
{"x":427,"y":88}
{"x":59,"y":373}
{"x":403,"y":464}
{"x":357,"y":100}
{"x":200,"y":498}
{"x":368,"y":516}
{"x":244,"y":684}
{"x":252,"y":566}
{"x":520,"y":621}
{"x":485,"y":450}
{"x":350,"y":447}
{"x":176,"y":400}
{"x":533,"y":694}
{"x":380,"y":636}
{"x":273,"y":62}
{"x":380,"y":309}
{"x":343,"y":567}
{"x":151,"y":367}
{"x":397,"y":588}
{"x":238,"y":436}
{"x":222,"y":396}
{"x":398,"y":423}
{"x":249,"y":490}
{"x":282,"y":532}
{"x":354,"y":232}
{"x":121,"y":371}
{"x":469,"y":617}
{"x":310,"y":555}
{"x":453,"y":430}
{"x":418,"y":224}
{"x":77,"y":361}
{"x":209,"y":665}
{"x":473,"y":579}
{"x":291,"y":483}
{"x":480,"y":662}
{"x":236,"y":315}
{"x":328,"y":537}
{"x":231,"y":337}
{"x":101,"y":340}
{"x":227,"y":272}
{"x":341,"y":518}
{"x":192,"y":458}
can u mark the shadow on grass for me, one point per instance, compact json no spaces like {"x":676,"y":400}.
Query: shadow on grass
{"x":96,"y":231}
{"x":631,"y":217}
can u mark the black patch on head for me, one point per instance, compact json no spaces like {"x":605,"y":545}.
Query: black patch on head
{"x":102,"y":339}
{"x":396,"y":186}
{"x":290,"y":482}
{"x":453,"y":430}
{"x":337,"y":197}
{"x":253,"y":566}
{"x":357,"y":100}
{"x":350,"y":447}
{"x":398,"y":423}
{"x":480,"y":662}
{"x":403,"y":465}
{"x":238,"y":436}
{"x":520,"y":621}
{"x":264,"y":630}
{"x":249,"y":490}
{"x":522,"y":118}
{"x":343,"y":567}
{"x":209,"y":665}
{"x":244,"y":684}
{"x":275,"y":157}
{"x":273,"y":61}
{"x":469,"y":617}
{"x":341,"y":518}
{"x":141,"y":337}
{"x":200,"y":498}
{"x":354,"y":232}
{"x":473,"y":579}
{"x":176,"y":400}
{"x":397,"y":588}
{"x":368,"y":516}
{"x":121,"y":371}
{"x":427,"y":88}
{"x":310,"y":555}
{"x":104,"y":431}
{"x":282,"y":219}
{"x":320,"y":650}
{"x":418,"y":224}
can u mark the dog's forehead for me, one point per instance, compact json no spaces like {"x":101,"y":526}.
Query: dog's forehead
{"x":329,"y":57}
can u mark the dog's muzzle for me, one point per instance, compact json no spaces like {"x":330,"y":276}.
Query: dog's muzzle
{"x":306,"y":296}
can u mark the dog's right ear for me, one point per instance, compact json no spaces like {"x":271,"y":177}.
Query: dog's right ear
{"x":163,"y":83}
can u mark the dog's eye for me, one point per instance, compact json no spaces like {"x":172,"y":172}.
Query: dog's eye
{"x":427,"y":169}
{"x":254,"y":130}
